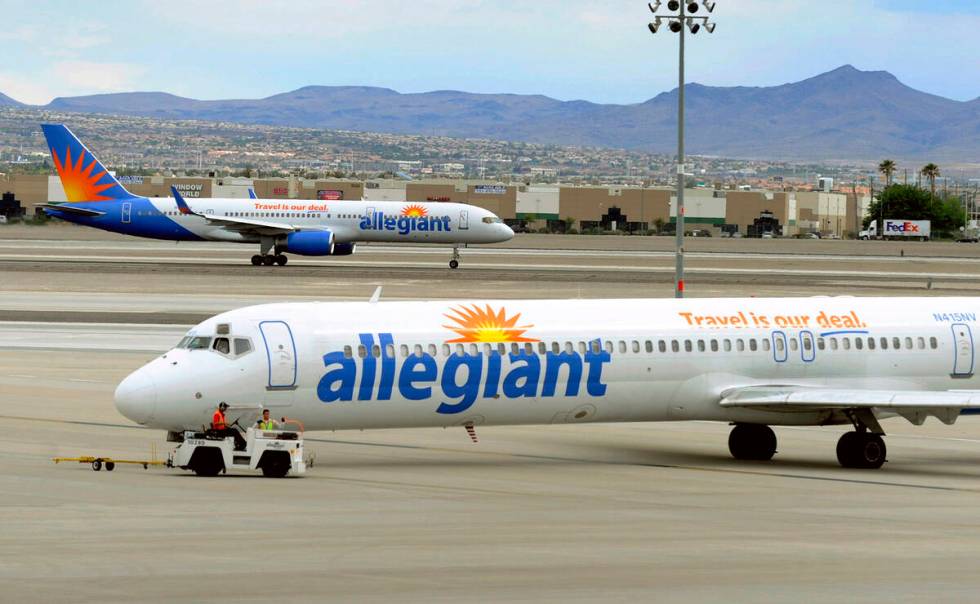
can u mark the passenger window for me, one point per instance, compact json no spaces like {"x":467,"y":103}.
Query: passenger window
{"x":884,"y":343}
{"x":487,"y":349}
{"x":446,"y":351}
{"x":714,"y":345}
{"x":432,"y":350}
{"x":740,"y":345}
{"x":807,"y":343}
{"x":821,"y":344}
{"x":700,"y":345}
{"x":528,"y":349}
{"x":460,"y":351}
{"x":675,"y":346}
{"x":649,"y":346}
{"x":554,"y":347}
{"x":780,"y":345}
{"x":569,"y":348}
{"x":514,"y":349}
{"x":222,"y":345}
{"x":833,"y":343}
{"x":922,"y":343}
{"x":622,"y":346}
{"x":543,"y":348}
{"x":390,"y":351}
{"x":765,"y":344}
{"x":581,"y":347}
{"x":501,"y":349}
{"x":348,"y":352}
{"x":896,"y":343}
{"x":242,"y":346}
{"x":846,"y":343}
{"x":661,"y":346}
{"x":688,"y":346}
{"x":404,"y":350}
{"x":595,"y":346}
{"x":636,"y":346}
{"x":727,"y":345}
{"x":933,"y":343}
{"x":418,"y":350}
{"x":361,"y":351}
{"x":871,"y":343}
{"x":859,"y":343}
{"x":609,"y":346}
{"x":908,"y":343}
{"x":793,"y":345}
{"x":474,"y":349}
{"x":376,"y":351}
{"x":753,"y":345}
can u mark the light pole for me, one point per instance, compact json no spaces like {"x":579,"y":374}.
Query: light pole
{"x":676,"y":19}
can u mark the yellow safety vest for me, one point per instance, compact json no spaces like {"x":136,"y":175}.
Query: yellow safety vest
{"x":269,"y":425}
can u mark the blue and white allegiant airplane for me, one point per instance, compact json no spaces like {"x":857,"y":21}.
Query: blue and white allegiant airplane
{"x":750,"y":362}
{"x":298,"y":226}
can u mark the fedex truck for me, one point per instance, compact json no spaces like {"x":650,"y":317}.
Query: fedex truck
{"x":898,"y":228}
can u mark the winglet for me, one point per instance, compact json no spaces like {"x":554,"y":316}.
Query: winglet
{"x":181,"y":204}
{"x":251,"y":193}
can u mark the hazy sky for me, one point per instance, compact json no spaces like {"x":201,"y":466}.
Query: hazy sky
{"x":573,"y":49}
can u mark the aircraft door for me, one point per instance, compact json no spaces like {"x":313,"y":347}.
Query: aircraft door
{"x":127,"y":212}
{"x":963,"y":342}
{"x":779,"y":348}
{"x":464,"y":219}
{"x":280,"y":348}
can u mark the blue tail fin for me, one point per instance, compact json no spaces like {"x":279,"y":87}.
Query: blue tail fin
{"x":83,"y":177}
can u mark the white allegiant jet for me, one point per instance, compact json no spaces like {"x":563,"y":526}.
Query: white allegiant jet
{"x":298,"y":226}
{"x":752,"y":362}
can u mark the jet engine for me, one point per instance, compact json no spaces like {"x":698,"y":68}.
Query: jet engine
{"x":310,"y":243}
{"x":343,"y":249}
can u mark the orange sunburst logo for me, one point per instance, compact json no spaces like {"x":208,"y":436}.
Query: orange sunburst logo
{"x":78,"y":181}
{"x":475,"y":324}
{"x":414,"y":211}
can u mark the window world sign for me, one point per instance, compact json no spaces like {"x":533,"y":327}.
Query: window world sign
{"x":188,"y":190}
{"x":490,"y":190}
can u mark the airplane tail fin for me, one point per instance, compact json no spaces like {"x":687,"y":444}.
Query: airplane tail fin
{"x":83,"y":176}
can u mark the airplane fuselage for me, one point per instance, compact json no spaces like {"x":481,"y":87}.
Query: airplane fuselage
{"x":413,"y":364}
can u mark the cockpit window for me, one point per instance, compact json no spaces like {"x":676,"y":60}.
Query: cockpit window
{"x":199,"y":343}
{"x":184,"y":341}
{"x":491,"y":219}
{"x":242,"y":346}
{"x":222,"y":345}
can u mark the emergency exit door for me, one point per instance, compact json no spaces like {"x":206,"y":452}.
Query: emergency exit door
{"x":127,"y":212}
{"x":963,"y":343}
{"x":280,"y":349}
{"x":464,"y":219}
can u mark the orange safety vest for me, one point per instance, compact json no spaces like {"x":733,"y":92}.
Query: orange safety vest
{"x":218,"y":421}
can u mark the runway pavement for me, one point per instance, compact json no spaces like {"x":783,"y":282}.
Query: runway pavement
{"x":538,"y":513}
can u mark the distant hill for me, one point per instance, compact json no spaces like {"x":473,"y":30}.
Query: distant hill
{"x":845,"y":113}
{"x":6,"y":101}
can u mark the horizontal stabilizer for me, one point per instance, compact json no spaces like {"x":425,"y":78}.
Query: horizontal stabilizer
{"x":69,"y":209}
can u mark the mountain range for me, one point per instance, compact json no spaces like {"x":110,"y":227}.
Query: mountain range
{"x":842,"y":114}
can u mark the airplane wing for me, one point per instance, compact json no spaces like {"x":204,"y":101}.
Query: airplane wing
{"x":913,"y":405}
{"x":234,"y":223}
{"x":68,"y":209}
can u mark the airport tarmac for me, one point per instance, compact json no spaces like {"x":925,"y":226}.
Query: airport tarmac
{"x":538,"y":513}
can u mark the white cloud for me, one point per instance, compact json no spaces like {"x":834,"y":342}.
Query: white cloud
{"x":91,"y":76}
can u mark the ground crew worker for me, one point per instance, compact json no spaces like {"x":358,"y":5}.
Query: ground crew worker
{"x":267,"y":423}
{"x":221,"y":428}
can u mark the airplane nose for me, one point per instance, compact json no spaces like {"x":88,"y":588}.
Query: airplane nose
{"x":508,"y":232}
{"x":136,"y":397}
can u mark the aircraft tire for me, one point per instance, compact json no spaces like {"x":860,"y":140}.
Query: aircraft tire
{"x":454,"y":264}
{"x":281,"y":260}
{"x":96,"y":465}
{"x":755,"y":442}
{"x":110,"y":466}
{"x":256,"y":260}
{"x":861,"y":450}
{"x":268,"y":260}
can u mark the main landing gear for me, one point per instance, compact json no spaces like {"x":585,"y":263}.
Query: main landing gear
{"x":864,"y":448}
{"x":264,"y":258}
{"x":454,"y":263}
{"x":269,"y":260}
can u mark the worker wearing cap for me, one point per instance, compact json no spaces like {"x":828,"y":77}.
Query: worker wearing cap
{"x":221,"y":428}
{"x":267,"y":423}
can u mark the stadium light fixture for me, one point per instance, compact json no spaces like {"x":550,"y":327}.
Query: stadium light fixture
{"x":676,"y":22}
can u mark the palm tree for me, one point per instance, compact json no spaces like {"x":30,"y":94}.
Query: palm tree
{"x":931,"y":171}
{"x":887,"y":167}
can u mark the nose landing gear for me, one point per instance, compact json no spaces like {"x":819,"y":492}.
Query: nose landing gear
{"x":454,"y":263}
